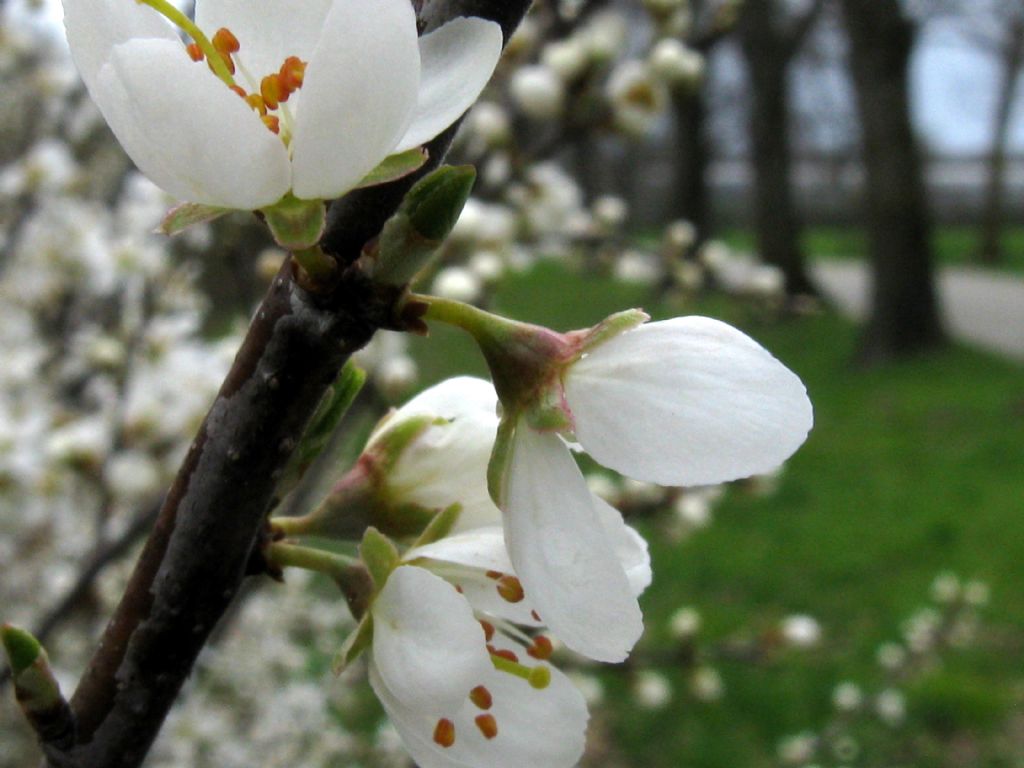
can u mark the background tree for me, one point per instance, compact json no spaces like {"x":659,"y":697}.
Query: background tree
{"x":770,"y":38}
{"x":904,"y":316}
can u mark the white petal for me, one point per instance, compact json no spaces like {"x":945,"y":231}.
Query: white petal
{"x":561,"y":552}
{"x":94,"y":27}
{"x":427,"y":645}
{"x":687,"y":401}
{"x":186,"y":131}
{"x":358,"y":95}
{"x":268,"y":32}
{"x":423,"y":474}
{"x":630,"y":546}
{"x":472,"y":554}
{"x":536,"y":728}
{"x":457,"y":61}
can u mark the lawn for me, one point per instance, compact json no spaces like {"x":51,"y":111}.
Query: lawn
{"x":910,"y":470}
{"x":954,"y":245}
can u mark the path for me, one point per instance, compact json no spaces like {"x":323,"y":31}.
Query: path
{"x":980,"y":307}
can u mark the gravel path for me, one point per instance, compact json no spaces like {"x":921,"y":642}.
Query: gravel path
{"x":981,"y":307}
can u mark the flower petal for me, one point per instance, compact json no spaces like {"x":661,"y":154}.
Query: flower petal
{"x":562,"y":553}
{"x":687,"y":401}
{"x":537,"y":728}
{"x":268,"y":32}
{"x":94,"y":27}
{"x":429,"y":649}
{"x":423,"y":474}
{"x":186,"y":131}
{"x":358,"y":95}
{"x":629,"y":545}
{"x":457,"y":61}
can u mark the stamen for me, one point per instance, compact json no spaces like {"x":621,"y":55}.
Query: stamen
{"x":503,"y":653}
{"x":239,"y":90}
{"x":538,"y":677}
{"x":179,"y":19}
{"x":225,"y":42}
{"x":488,"y":629}
{"x":481,"y":697}
{"x":292,"y":73}
{"x":541,"y":648}
{"x":194,"y":52}
{"x":510,"y":589}
{"x":226,"y":60}
{"x":488,"y":725}
{"x":255,"y":101}
{"x":272,"y":122}
{"x":444,"y":732}
{"x":494,"y":575}
{"x":271,"y":91}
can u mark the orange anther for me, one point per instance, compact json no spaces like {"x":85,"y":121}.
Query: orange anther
{"x":541,"y":648}
{"x":271,"y":91}
{"x":194,"y":52}
{"x":255,"y":101}
{"x":510,"y":589}
{"x":488,"y":725}
{"x":238,"y":89}
{"x":272,"y":123}
{"x":481,"y":697}
{"x":494,"y":575}
{"x":292,"y":73}
{"x":444,"y":732}
{"x":488,"y":630}
{"x":224,"y":41}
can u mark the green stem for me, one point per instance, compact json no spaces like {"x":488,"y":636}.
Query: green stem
{"x":338,"y":567}
{"x":164,"y":8}
{"x":475,"y":321}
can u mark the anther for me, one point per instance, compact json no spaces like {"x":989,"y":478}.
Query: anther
{"x":292,"y":73}
{"x":504,"y":653}
{"x":510,"y":589}
{"x":194,"y":52}
{"x":488,"y":725}
{"x":444,"y":732}
{"x":272,"y":122}
{"x":541,"y":648}
{"x":488,"y":629}
{"x":224,"y":41}
{"x":227,"y":63}
{"x":255,"y":101}
{"x":271,"y":91}
{"x":494,"y":575}
{"x":238,"y":89}
{"x":481,"y":697}
{"x":535,"y":615}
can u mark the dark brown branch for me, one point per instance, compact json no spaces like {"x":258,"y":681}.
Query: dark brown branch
{"x":195,"y":559}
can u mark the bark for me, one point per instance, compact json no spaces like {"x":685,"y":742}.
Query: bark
{"x":904,"y":316}
{"x":769,"y":50}
{"x":993,"y":210}
{"x":199,"y":552}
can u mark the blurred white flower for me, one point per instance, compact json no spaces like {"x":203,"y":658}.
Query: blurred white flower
{"x":651,"y":689}
{"x":946,"y":588}
{"x":676,"y":63}
{"x":706,"y":684}
{"x":684,"y":623}
{"x":847,"y":697}
{"x":891,"y":707}
{"x":566,"y":58}
{"x":457,"y":283}
{"x":801,"y":631}
{"x":538,"y":91}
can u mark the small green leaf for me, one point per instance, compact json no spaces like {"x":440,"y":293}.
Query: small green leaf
{"x":501,"y":458}
{"x":357,"y":642}
{"x":380,"y":555}
{"x":435,"y":203}
{"x":439,"y":526}
{"x":296,"y":224}
{"x":395,"y":167}
{"x":333,"y":407}
{"x":21,"y":647}
{"x":183,"y":216}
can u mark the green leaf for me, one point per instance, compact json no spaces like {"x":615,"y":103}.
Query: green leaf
{"x":296,"y":224}
{"x":333,"y":407}
{"x":395,"y":167}
{"x":380,"y":555}
{"x":183,"y":216}
{"x":357,"y":642}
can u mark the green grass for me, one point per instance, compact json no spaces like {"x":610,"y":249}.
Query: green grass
{"x":910,"y":470}
{"x":954,"y":245}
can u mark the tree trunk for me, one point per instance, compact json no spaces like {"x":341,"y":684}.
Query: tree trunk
{"x":691,"y":183}
{"x":904,"y":315}
{"x":990,"y":251}
{"x":768,"y":53}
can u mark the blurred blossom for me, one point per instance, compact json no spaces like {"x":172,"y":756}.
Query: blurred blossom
{"x":891,"y":656}
{"x":847,"y":697}
{"x":538,"y":91}
{"x":946,"y":588}
{"x":798,"y":749}
{"x":487,"y":265}
{"x":651,"y":689}
{"x":590,"y":686}
{"x":604,"y":36}
{"x":457,"y":283}
{"x":684,"y":623}
{"x":489,"y":121}
{"x":976,"y":593}
{"x":676,"y":63}
{"x":801,"y":631}
{"x":566,"y":58}
{"x":633,"y":266}
{"x":891,"y":707}
{"x":610,"y":211}
{"x":706,"y":684}
{"x":636,"y":98}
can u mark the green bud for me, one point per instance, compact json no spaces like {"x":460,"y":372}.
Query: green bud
{"x":37,"y":690}
{"x":422,"y":222}
{"x":21,"y":647}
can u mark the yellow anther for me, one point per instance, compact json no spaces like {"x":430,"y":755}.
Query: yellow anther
{"x":271,"y":91}
{"x":194,"y":52}
{"x":225,"y":41}
{"x":255,"y":101}
{"x":272,"y":123}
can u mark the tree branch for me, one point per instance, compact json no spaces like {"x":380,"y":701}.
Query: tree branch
{"x":195,"y":559}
